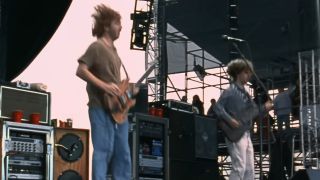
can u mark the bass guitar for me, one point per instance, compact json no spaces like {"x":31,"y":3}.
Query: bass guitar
{"x":120,"y":105}
{"x":243,"y":112}
{"x":233,"y":134}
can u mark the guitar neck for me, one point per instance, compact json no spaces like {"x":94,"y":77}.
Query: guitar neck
{"x":146,"y":74}
{"x":139,"y":82}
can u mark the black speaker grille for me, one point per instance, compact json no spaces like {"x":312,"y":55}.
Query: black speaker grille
{"x":70,"y":175}
{"x":205,"y":137}
{"x":181,"y":135}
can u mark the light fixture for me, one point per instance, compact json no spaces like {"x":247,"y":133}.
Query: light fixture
{"x":139,"y":37}
{"x":141,"y":23}
{"x":200,"y":71}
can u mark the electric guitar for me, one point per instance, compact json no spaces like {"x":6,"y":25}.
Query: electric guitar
{"x":244,"y":117}
{"x":120,"y":105}
{"x":233,"y":134}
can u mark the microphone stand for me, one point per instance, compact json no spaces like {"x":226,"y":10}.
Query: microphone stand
{"x":260,"y":85}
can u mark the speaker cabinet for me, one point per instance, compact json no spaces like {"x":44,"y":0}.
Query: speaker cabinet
{"x":71,"y":154}
{"x":181,"y":135}
{"x":206,"y":145}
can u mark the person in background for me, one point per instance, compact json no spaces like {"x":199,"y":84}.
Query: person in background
{"x":210,"y":111}
{"x":282,"y":108}
{"x":184,"y":99}
{"x":235,"y":110}
{"x":100,"y":67}
{"x":198,"y":104}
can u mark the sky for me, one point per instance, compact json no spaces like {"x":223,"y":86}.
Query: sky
{"x":56,"y":64}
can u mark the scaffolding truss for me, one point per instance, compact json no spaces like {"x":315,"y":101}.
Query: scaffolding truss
{"x":152,"y":53}
{"x":309,"y":86}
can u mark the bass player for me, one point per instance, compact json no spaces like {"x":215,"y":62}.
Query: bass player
{"x":100,"y":67}
{"x":235,"y":110}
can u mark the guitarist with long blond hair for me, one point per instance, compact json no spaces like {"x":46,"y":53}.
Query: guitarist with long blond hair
{"x":100,"y":67}
{"x":235,"y":110}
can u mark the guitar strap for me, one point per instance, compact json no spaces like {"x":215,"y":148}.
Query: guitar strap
{"x":106,"y":44}
{"x":124,"y":69}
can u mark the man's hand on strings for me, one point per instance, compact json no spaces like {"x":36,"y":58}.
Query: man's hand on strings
{"x":111,"y":88}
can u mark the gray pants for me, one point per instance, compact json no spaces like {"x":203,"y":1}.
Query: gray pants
{"x":241,"y":153}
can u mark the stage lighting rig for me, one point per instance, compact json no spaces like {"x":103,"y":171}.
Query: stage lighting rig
{"x":141,"y":22}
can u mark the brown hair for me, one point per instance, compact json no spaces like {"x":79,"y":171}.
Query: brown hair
{"x":103,"y":18}
{"x":236,"y":66}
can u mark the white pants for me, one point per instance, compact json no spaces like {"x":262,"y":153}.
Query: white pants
{"x":241,"y":153}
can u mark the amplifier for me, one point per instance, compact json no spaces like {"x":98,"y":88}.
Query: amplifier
{"x":174,"y":105}
{"x":28,"y":101}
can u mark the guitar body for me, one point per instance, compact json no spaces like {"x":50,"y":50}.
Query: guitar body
{"x":120,"y":105}
{"x":243,"y":112}
{"x":233,"y":134}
